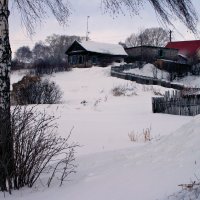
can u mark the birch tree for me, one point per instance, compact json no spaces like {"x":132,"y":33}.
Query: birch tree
{"x":32,"y":13}
{"x":6,"y":144}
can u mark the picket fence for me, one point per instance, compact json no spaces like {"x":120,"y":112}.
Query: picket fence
{"x":177,"y":104}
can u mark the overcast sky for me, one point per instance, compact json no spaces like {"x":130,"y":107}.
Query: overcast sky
{"x":102,"y":27}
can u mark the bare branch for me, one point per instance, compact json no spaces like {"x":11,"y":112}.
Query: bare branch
{"x":33,"y":12}
{"x":165,"y":9}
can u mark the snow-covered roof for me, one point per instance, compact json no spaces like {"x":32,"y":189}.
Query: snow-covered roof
{"x":182,"y":55}
{"x":105,"y":48}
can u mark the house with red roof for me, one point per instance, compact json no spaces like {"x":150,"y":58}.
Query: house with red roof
{"x":189,"y":50}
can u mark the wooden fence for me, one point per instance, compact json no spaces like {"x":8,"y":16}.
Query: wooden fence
{"x":183,"y":101}
{"x":118,"y":72}
{"x":177,"y":104}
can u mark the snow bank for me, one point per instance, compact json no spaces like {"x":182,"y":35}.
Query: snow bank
{"x":150,"y":70}
{"x":110,"y":166}
{"x":191,"y":81}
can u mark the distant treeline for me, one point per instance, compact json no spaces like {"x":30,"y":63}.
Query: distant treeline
{"x":45,"y":57}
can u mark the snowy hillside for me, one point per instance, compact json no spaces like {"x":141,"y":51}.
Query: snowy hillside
{"x":110,"y":165}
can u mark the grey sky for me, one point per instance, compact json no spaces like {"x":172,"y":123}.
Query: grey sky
{"x":102,"y":27}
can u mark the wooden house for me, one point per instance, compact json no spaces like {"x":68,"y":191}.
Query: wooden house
{"x":150,"y":53}
{"x":89,"y":53}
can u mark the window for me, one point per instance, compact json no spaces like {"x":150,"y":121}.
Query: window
{"x":70,"y":60}
{"x":80,"y":60}
{"x":94,"y":60}
{"x":74,"y":59}
{"x":160,"y":53}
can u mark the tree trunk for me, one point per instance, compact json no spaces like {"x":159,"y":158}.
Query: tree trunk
{"x":6,"y":139}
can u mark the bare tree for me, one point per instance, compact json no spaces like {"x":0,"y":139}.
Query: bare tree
{"x":166,"y":10}
{"x":41,"y":51}
{"x":23,"y":54}
{"x":132,"y":41}
{"x":150,"y":36}
{"x":59,"y":44}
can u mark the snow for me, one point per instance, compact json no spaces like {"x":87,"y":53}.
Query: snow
{"x":110,"y":166}
{"x":150,"y":70}
{"x":190,"y":80}
{"x":105,"y":48}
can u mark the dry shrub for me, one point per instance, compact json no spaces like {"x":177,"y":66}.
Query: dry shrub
{"x":154,"y":90}
{"x":145,"y":136}
{"x":124,"y":90}
{"x":34,"y":90}
{"x":38,"y":149}
{"x":132,"y":136}
{"x":190,"y":191}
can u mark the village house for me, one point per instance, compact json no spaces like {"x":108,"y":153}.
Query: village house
{"x":188,"y":51}
{"x":168,"y":58}
{"x":89,"y":53}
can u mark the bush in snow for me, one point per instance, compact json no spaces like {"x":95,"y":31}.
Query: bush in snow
{"x":189,"y":191}
{"x":34,"y":90}
{"x":38,"y":149}
{"x":154,"y":90}
{"x":124,"y":90}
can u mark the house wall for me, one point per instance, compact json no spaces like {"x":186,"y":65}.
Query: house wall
{"x":89,"y":59}
{"x":150,"y":54}
{"x":178,"y":69}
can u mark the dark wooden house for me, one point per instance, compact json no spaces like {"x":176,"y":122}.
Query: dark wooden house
{"x":89,"y":53}
{"x":150,"y":53}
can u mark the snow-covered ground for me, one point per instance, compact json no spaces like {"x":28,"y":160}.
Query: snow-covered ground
{"x":150,"y":70}
{"x":190,"y":80}
{"x":110,"y":165}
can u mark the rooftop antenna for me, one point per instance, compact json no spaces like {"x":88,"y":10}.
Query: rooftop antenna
{"x":87,"y":33}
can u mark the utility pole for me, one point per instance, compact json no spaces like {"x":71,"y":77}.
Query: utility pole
{"x":170,"y":35}
{"x":87,"y":32}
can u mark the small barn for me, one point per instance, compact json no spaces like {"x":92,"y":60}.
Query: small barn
{"x":175,"y":68}
{"x":150,"y":53}
{"x":89,"y":53}
{"x":189,"y":50}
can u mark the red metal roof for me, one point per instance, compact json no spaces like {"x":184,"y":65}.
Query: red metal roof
{"x":186,"y":48}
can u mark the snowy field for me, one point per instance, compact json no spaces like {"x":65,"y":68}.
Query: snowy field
{"x":110,"y":165}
